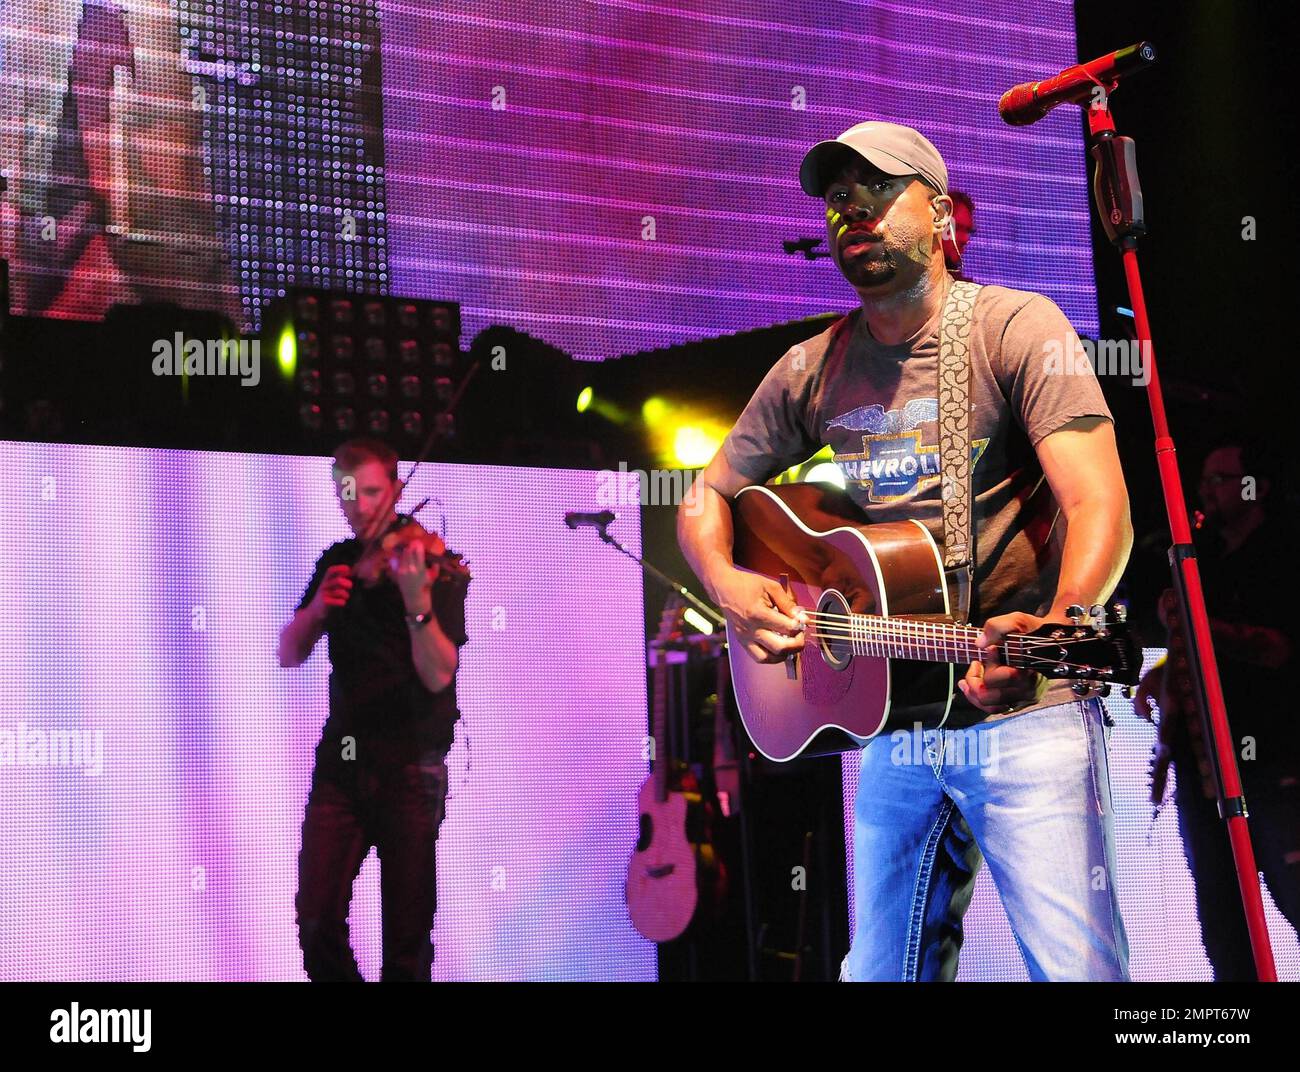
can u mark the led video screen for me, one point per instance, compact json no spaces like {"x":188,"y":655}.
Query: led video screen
{"x":608,"y":177}
{"x":155,"y":759}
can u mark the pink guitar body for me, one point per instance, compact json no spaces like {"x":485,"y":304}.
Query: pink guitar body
{"x":662,"y":885}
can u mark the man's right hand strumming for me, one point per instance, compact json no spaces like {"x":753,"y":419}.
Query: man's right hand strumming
{"x":768,"y":623}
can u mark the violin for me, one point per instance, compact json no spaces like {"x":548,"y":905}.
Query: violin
{"x":381,"y":555}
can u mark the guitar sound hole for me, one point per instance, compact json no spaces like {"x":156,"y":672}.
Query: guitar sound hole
{"x":832,"y":633}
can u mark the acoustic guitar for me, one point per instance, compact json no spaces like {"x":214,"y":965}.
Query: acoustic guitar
{"x":882,"y":642}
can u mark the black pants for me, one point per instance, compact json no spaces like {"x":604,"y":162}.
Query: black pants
{"x":1273,"y":800}
{"x":397,"y":808}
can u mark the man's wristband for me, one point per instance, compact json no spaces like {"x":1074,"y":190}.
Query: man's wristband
{"x":419,"y":621}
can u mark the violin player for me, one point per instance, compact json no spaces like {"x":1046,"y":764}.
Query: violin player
{"x":395,"y":625}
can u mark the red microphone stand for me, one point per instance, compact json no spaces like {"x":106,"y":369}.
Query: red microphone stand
{"x":1119,"y":202}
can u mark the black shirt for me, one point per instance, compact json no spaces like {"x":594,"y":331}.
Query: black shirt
{"x":376,"y":696}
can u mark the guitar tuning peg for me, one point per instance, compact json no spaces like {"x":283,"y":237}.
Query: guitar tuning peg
{"x":1075,"y":613}
{"x":1098,"y":614}
{"x":1128,"y":691}
{"x":1103,"y":689}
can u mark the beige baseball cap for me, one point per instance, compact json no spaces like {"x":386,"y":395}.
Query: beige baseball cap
{"x":894,"y":149}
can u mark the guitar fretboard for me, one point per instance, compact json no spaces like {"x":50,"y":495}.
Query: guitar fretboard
{"x":905,"y":638}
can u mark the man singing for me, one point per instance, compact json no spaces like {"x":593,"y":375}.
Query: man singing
{"x":1051,"y":529}
{"x":380,"y":776}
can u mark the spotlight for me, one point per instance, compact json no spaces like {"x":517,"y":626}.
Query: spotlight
{"x":694,"y":446}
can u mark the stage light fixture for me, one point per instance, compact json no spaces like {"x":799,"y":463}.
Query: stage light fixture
{"x":354,"y":356}
{"x":310,"y":416}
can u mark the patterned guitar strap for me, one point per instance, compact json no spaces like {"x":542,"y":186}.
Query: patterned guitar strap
{"x":954,"y":443}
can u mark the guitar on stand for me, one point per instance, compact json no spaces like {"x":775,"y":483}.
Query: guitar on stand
{"x":674,"y":877}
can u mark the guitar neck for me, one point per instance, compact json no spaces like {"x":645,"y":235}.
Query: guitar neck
{"x":659,"y":765}
{"x":905,"y":638}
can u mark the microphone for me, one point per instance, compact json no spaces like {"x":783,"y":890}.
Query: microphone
{"x":573,"y":519}
{"x":1030,"y":101}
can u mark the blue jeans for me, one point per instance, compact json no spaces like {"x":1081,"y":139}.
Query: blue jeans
{"x":1029,"y":793}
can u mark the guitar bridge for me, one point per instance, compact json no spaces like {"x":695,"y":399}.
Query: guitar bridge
{"x":791,"y":660}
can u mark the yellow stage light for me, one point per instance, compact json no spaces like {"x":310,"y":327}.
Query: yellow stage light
{"x":694,"y":446}
{"x":287,"y":351}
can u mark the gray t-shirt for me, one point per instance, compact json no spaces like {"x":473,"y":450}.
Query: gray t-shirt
{"x":877,"y":407}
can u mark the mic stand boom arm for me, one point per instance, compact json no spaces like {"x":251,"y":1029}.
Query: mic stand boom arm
{"x":659,"y":575}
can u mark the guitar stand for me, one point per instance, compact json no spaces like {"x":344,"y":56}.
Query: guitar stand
{"x":717,"y":651}
{"x":1118,"y":198}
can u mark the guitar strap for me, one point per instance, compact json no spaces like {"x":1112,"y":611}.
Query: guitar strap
{"x":954,"y":442}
